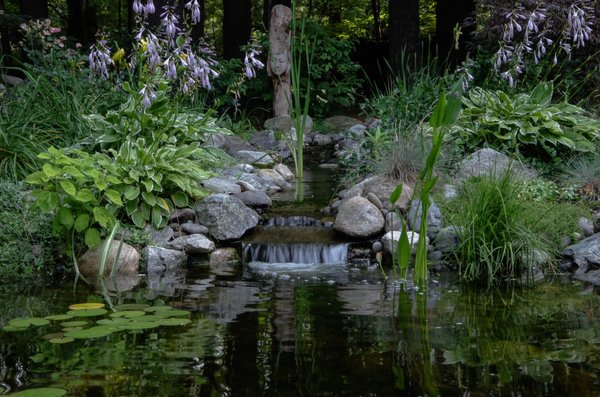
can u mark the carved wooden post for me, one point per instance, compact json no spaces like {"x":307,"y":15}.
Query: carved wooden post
{"x":279,"y":62}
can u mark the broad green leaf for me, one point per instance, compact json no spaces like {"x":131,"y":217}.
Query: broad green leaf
{"x":36,"y":178}
{"x":102,"y":216}
{"x":156,"y":217}
{"x":65,"y":217}
{"x":180,"y":199}
{"x":113,"y":196}
{"x":46,"y":201}
{"x":396,"y":194}
{"x":149,"y":198}
{"x":101,"y":184}
{"x":542,"y":94}
{"x":452,"y":109}
{"x":68,"y":187}
{"x":437,"y":117}
{"x":85,"y":196}
{"x":82,"y":222}
{"x":131,"y":206}
{"x":50,"y":170}
{"x":139,"y":218}
{"x":131,"y":192}
{"x":404,"y":249}
{"x":72,"y":171}
{"x":92,"y":237}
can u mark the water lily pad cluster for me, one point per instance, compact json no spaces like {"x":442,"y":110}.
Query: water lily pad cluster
{"x":83,"y":321}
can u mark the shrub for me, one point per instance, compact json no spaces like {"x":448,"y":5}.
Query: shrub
{"x":528,"y":125}
{"x":498,"y":241}
{"x":26,"y":245}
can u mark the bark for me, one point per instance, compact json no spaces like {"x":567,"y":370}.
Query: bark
{"x":376,"y":24}
{"x":404,"y":33}
{"x":37,"y":9}
{"x":279,"y":63}
{"x":449,"y":14}
{"x":237,"y":26}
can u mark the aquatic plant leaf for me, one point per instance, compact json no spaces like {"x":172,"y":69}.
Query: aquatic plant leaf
{"x":90,"y":333}
{"x":86,"y":306}
{"x":396,"y":194}
{"x":113,"y":321}
{"x":132,"y":306}
{"x":59,"y":317}
{"x":128,"y":314}
{"x":139,"y":325}
{"x":41,"y":392}
{"x":173,"y":313}
{"x":12,"y":328}
{"x":75,"y":323}
{"x":87,"y":312}
{"x":171,"y":322}
{"x":70,"y":329}
{"x":26,"y":322}
{"x":60,"y":341}
{"x":153,"y":309}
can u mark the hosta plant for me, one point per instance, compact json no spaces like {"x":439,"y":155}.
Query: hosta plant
{"x":139,"y":181}
{"x":525,"y":124}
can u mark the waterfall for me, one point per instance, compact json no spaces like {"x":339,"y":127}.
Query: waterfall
{"x":306,"y":253}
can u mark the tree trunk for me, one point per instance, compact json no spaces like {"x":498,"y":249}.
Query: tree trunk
{"x":404,"y":33}
{"x":279,"y":62}
{"x":376,"y":24}
{"x":37,"y":9}
{"x":76,"y":20}
{"x":449,"y":14}
{"x":237,"y":26}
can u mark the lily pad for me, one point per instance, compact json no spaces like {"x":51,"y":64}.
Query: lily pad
{"x":59,"y":317}
{"x":62,"y":340}
{"x":26,"y":322}
{"x":87,"y":312}
{"x":148,"y":318}
{"x":70,"y":329}
{"x":12,"y":328}
{"x":173,"y":313}
{"x":41,"y":392}
{"x":172,"y":322}
{"x":139,"y":325}
{"x":132,"y":306}
{"x":153,"y":309}
{"x":75,"y":323}
{"x":113,"y":321}
{"x":86,"y":306}
{"x":128,"y":314}
{"x":90,"y":333}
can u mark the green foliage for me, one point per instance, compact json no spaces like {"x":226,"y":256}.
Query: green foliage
{"x":26,"y":246}
{"x":584,"y":172}
{"x":525,"y":124}
{"x":498,"y":240}
{"x":141,"y":181}
{"x":539,"y":189}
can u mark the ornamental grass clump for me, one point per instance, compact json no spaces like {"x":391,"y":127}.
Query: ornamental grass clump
{"x":498,"y":240}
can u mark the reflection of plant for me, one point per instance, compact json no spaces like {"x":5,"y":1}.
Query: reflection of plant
{"x":527,"y":124}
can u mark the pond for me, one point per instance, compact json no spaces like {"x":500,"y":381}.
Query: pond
{"x":285,"y":329}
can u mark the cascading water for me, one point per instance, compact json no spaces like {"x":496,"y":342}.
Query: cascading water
{"x":308,"y":253}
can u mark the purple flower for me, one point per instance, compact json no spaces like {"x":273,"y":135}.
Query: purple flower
{"x":194,"y":8}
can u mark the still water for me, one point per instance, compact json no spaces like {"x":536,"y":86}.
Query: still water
{"x":329,"y":330}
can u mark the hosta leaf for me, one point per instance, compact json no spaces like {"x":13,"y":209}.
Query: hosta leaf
{"x":149,"y":198}
{"x":179,"y":199}
{"x":138,"y":218}
{"x":131,"y":192}
{"x":542,"y":94}
{"x":113,"y":196}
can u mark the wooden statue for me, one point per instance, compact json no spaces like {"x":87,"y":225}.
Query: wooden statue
{"x":279,"y":63}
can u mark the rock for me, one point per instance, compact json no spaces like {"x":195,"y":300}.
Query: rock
{"x":392,"y":221}
{"x":586,"y":226}
{"x":229,"y":143}
{"x":340,"y":123}
{"x":329,"y":166}
{"x":308,"y":124}
{"x":450,"y":192}
{"x":226,"y":217}
{"x":358,"y":217}
{"x":159,"y":259}
{"x":192,"y":245}
{"x":285,"y":172}
{"x":592,"y":277}
{"x":382,"y":186}
{"x":377,"y":246}
{"x":11,"y":80}
{"x":357,"y":132}
{"x":128,"y":261}
{"x":159,"y":237}
{"x":220,"y":185}
{"x":245,"y":186}
{"x":434,"y":217}
{"x":264,"y":140}
{"x":585,"y":255}
{"x":280,"y":123}
{"x":390,"y":241}
{"x":375,"y":200}
{"x":447,"y":239}
{"x":374,"y":124}
{"x":485,"y":162}
{"x":194,"y":228}
{"x":222,"y":255}
{"x":182,"y":215}
{"x":244,"y":167}
{"x":254,"y":157}
{"x":321,"y":139}
{"x":260,"y":183}
{"x":255,"y":198}
{"x":435,"y":256}
{"x":273,"y":176}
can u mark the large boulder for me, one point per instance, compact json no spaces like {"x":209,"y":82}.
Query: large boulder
{"x":127,"y":262}
{"x":264,"y":140}
{"x":254,"y":157}
{"x":159,"y":259}
{"x":285,"y":172}
{"x":380,"y":186}
{"x":226,"y":217}
{"x":447,"y":239}
{"x":229,"y":143}
{"x":340,"y":123}
{"x":193,"y":244}
{"x":487,"y":162}
{"x":220,"y":185}
{"x":280,"y":123}
{"x":358,"y":217}
{"x":255,"y":198}
{"x":584,"y":259}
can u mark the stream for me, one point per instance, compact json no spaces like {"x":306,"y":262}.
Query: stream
{"x":273,"y":326}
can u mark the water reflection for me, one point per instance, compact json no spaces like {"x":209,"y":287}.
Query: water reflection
{"x":297,"y":333}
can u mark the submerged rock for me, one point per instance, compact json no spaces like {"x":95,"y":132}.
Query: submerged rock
{"x":358,"y":217}
{"x":159,"y":259}
{"x":226,"y":217}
